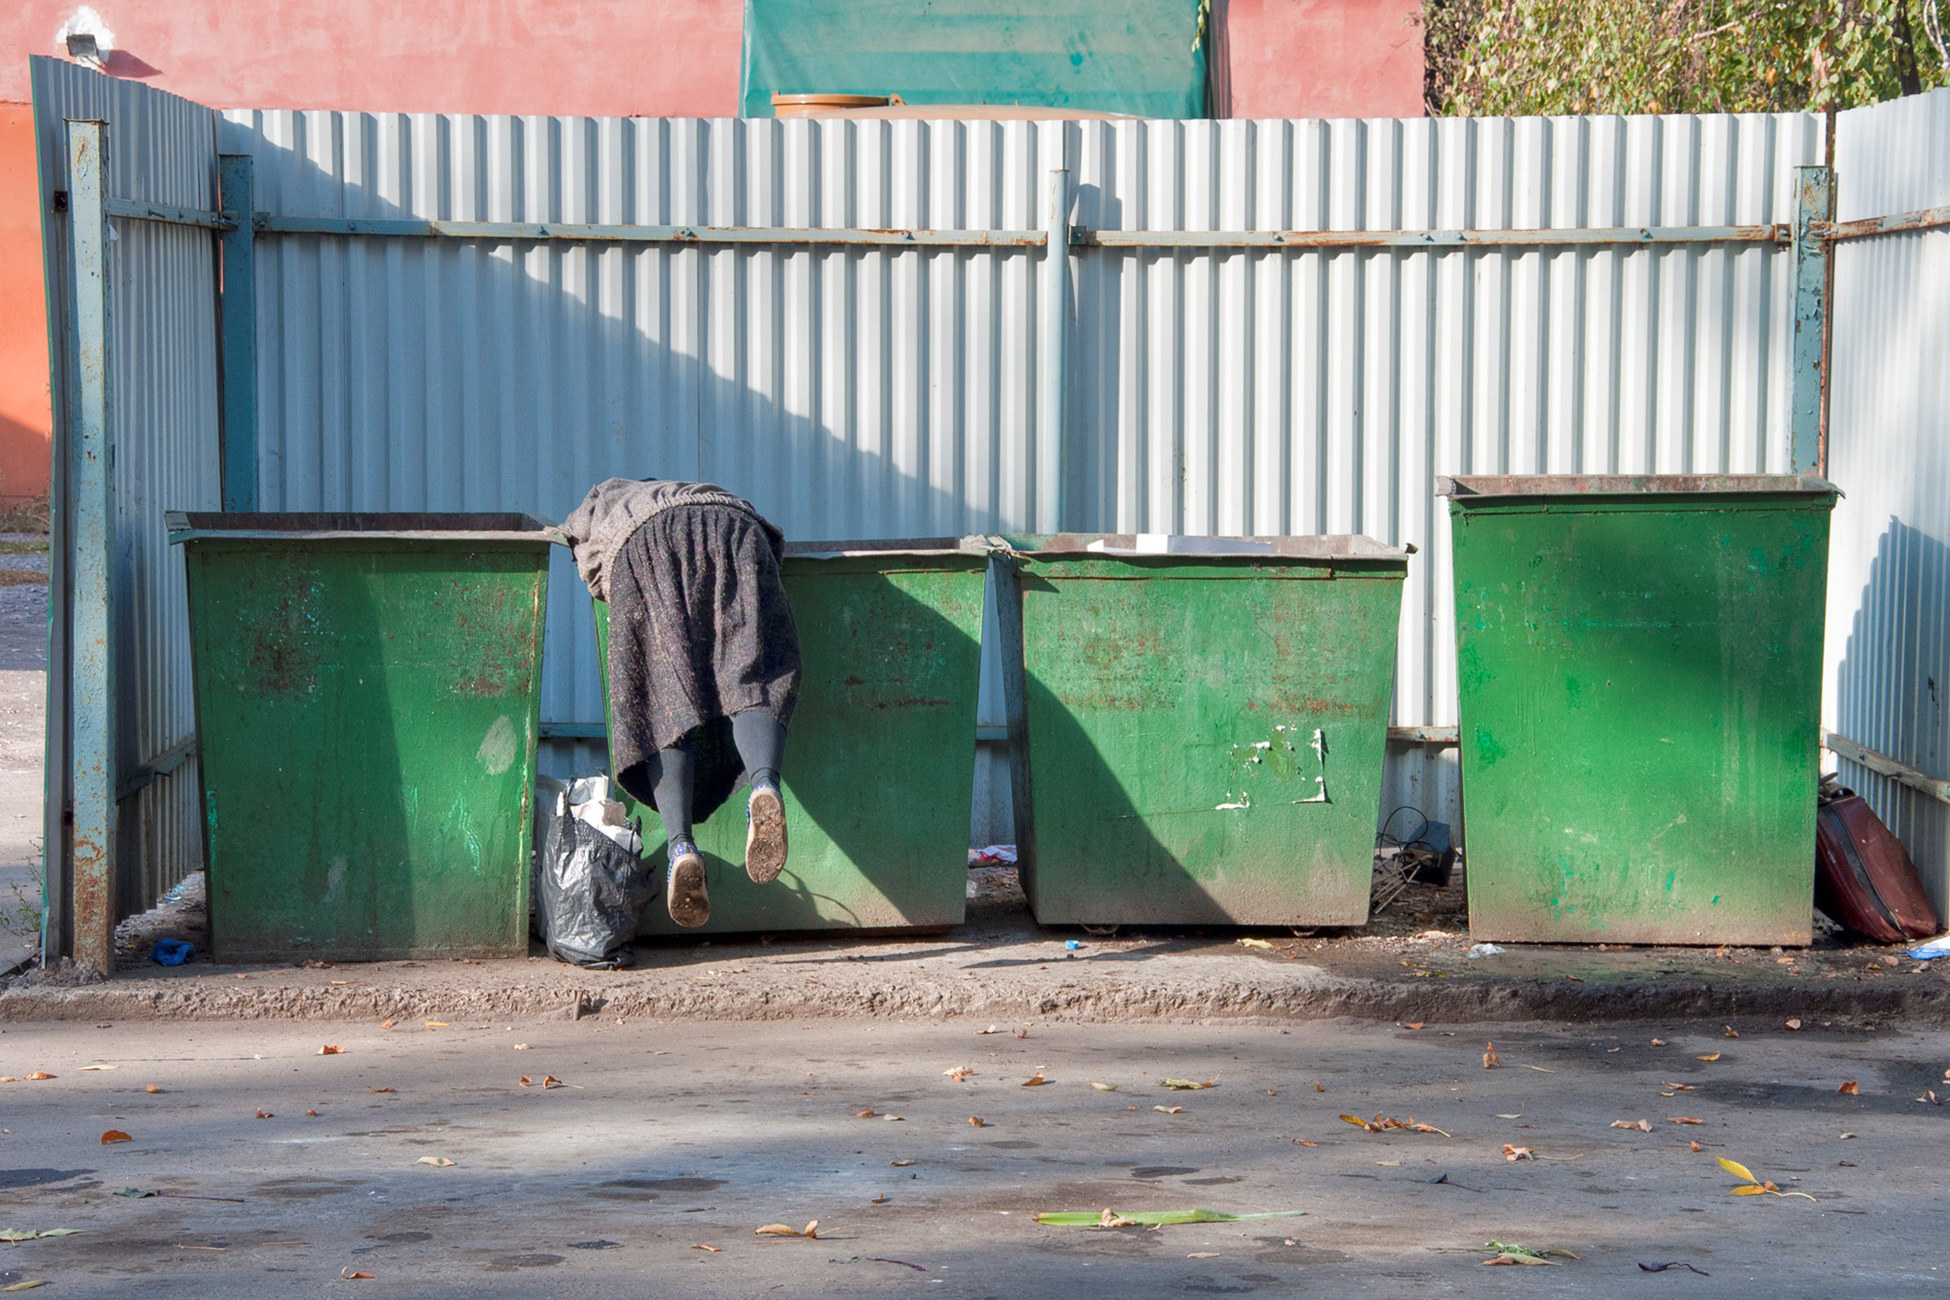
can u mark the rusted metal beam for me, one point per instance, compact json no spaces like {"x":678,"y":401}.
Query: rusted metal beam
{"x":1814,"y":189}
{"x":1883,"y":765}
{"x":1435,"y":737}
{"x":91,"y":832}
{"x":1430,"y":239}
{"x":265,"y":223}
{"x":1895,"y":224}
{"x":166,"y":213}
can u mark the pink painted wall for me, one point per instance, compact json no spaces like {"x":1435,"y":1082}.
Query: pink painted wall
{"x":654,"y":58}
{"x":660,"y":58}
{"x":1325,"y":58}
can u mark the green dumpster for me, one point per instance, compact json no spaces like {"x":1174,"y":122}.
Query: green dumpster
{"x":1638,"y":665}
{"x":1206,"y":723}
{"x":367,"y":689}
{"x":880,"y":757}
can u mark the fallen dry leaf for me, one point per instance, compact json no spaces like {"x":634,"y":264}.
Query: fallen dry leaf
{"x":900,"y":1164}
{"x":715,"y":1250}
{"x":438,"y":1162}
{"x":961,"y":1073}
{"x":1382,"y":1123}
{"x":347,"y":1275}
{"x":977,"y":1121}
{"x":1302,"y":1142}
{"x":387,"y":1024}
{"x":1846,"y":1136}
{"x":1849,"y":1088}
{"x":26,"y":1284}
{"x":1021,"y":1033}
{"x":435,"y":1024}
{"x":1658,"y":1042}
{"x":521,"y":1047}
{"x":265,"y":1114}
{"x":1255,"y":943}
{"x":330,"y":1049}
{"x":150,"y":1087}
{"x":1518,"y":1153}
{"x":39,"y":1074}
{"x":311,"y":1114}
{"x":1169,"y":1110}
{"x":86,"y":1068}
{"x":115,"y":1135}
{"x":879,"y":1200}
{"x":1318,"y":1088}
{"x":1187,"y":1085}
{"x":1103,"y":1087}
{"x":1732,"y":1032}
{"x":1417,"y":1025}
{"x":868,"y":1113}
{"x":895,"y":1119}
{"x":1794,"y":1023}
{"x":1641,"y":1125}
{"x":370,"y":1088}
{"x":1683,"y":1119}
{"x":1696,"y":1146}
{"x":1677,"y":1087}
{"x":811,"y":1230}
{"x":1035,"y":1080}
{"x":990,"y":1030}
{"x":1490,"y":1059}
{"x":1712,"y":1057}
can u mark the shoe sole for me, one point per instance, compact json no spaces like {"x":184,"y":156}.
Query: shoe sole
{"x":765,"y":836}
{"x":689,"y":903}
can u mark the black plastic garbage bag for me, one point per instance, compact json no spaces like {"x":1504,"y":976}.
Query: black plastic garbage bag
{"x":590,"y":882}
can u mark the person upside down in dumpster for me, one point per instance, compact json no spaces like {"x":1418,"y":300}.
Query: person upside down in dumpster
{"x":703,"y":663}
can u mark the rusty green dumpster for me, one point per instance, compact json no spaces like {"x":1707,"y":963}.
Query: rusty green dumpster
{"x":880,"y":757}
{"x":367,"y":690}
{"x":1638,"y":664}
{"x":1206,"y":723}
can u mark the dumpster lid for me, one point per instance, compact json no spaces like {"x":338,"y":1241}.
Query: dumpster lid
{"x":892,"y":546}
{"x":1575,"y":485}
{"x":1340,"y":546}
{"x":497,"y":526}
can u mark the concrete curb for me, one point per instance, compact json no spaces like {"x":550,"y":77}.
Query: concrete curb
{"x":1174,"y":988}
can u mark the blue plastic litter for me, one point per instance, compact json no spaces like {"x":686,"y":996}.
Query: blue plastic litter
{"x":1072,"y":944}
{"x":171,"y":952}
{"x":1934,"y":948}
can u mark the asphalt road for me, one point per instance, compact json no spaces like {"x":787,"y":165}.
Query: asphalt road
{"x":664,"y":1138}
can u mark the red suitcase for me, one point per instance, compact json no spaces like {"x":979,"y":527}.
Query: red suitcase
{"x":1863,"y":876}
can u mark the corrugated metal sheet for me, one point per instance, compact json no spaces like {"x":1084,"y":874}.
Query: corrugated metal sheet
{"x":1888,"y":641}
{"x":884,"y":392}
{"x":163,"y":426}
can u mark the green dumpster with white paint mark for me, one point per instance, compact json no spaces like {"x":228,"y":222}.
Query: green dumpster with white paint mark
{"x":367,"y":691}
{"x":1206,"y":721}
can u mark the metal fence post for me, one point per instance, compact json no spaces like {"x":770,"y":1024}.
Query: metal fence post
{"x":237,"y":343}
{"x":1814,"y":189}
{"x":92,"y":708}
{"x":1050,"y":461}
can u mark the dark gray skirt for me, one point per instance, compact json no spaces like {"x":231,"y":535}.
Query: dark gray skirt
{"x":699,"y":630}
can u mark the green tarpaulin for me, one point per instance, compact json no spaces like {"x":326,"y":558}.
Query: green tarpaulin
{"x":1110,"y":56}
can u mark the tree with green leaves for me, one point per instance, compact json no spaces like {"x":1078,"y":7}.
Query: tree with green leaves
{"x":1510,"y":57}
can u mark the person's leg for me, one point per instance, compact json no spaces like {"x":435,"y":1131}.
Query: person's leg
{"x":760,"y":738}
{"x":684,"y":892}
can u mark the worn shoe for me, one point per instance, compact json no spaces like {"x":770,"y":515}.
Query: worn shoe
{"x":764,"y":833}
{"x":684,"y":894}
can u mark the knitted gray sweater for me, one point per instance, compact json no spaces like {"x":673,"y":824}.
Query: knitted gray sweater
{"x":616,"y":507}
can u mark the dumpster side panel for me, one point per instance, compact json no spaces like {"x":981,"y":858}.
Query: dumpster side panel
{"x":1639,"y":688}
{"x":880,"y":757}
{"x":368,"y":713}
{"x":1207,"y":739}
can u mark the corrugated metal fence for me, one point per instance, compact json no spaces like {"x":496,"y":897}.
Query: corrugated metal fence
{"x":1889,"y":449}
{"x":896,"y":391}
{"x":160,"y":432}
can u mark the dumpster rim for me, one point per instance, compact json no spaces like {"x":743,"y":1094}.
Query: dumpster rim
{"x":1465,"y":490}
{"x":1315,"y":546}
{"x":313,"y":525}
